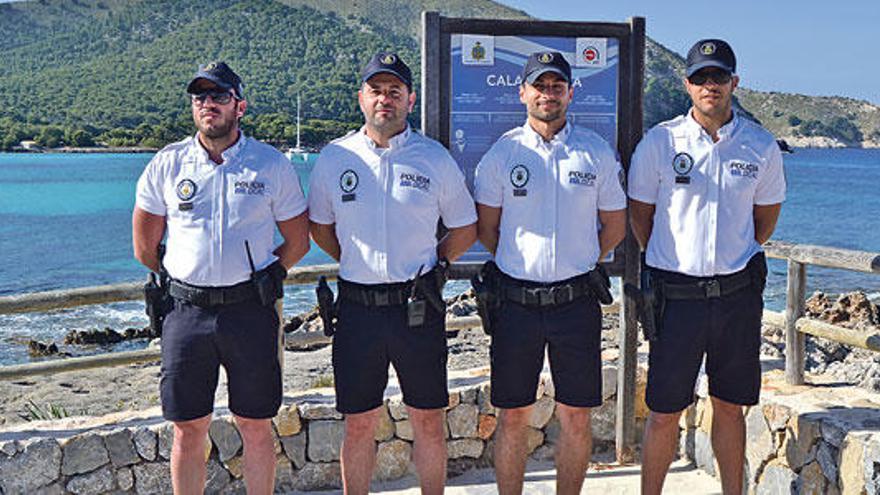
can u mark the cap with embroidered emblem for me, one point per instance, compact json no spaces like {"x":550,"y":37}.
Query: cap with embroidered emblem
{"x":220,"y":74}
{"x":387,"y":63}
{"x":710,"y":53}
{"x":540,"y":63}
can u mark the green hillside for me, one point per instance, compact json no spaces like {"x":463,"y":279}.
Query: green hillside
{"x":79,"y":71}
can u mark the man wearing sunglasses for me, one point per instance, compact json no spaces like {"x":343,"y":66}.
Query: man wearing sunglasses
{"x":705,"y":192}
{"x":219,"y":197}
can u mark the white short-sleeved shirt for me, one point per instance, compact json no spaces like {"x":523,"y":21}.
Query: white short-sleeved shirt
{"x":212,"y":209}
{"x":549,"y":194}
{"x":385,"y":203}
{"x":705,"y":192}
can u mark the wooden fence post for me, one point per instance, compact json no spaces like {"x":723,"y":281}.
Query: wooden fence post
{"x":794,"y":309}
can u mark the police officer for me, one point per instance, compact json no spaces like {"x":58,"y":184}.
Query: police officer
{"x":219,"y":197}
{"x":550,"y":206}
{"x":375,"y":197}
{"x":705,"y":192}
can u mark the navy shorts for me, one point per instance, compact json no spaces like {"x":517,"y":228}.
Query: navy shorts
{"x":196,"y":341}
{"x":572,"y":335}
{"x":368,"y":338}
{"x":726,"y":329}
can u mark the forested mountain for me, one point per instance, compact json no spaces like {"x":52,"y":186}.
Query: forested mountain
{"x":79,"y":71}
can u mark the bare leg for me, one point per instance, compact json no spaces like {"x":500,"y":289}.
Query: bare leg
{"x":259,"y":455}
{"x":729,"y":444}
{"x":574,"y":449}
{"x":510,"y":449}
{"x":658,"y":450}
{"x":188,"y":456}
{"x":359,"y":451}
{"x":429,"y":449}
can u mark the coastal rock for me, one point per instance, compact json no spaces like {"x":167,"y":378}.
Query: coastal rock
{"x":121,"y":449}
{"x":318,"y":476}
{"x":454,"y":400}
{"x":235,"y":466}
{"x":38,"y":465}
{"x":826,"y":456}
{"x":99,"y":481}
{"x":465,"y":447}
{"x":486,"y":426}
{"x":602,"y":421}
{"x":801,"y":441}
{"x":534,"y":439}
{"x":145,"y":443}
{"x":810,"y":480}
{"x":759,"y":441}
{"x":542,"y":411}
{"x":152,"y":478}
{"x":295,"y":449}
{"x":397,"y":410}
{"x":225,"y":436}
{"x":83,"y":453}
{"x":287,"y":421}
{"x":463,"y":420}
{"x":93,"y":336}
{"x":403,"y":429}
{"x":609,"y":382}
{"x":392,"y":460}
{"x":703,"y":455}
{"x":39,"y":349}
{"x":313,"y":411}
{"x":469,"y":395}
{"x":852,"y":476}
{"x":325,"y":439}
{"x":165,"y":433}
{"x":10,"y":448}
{"x":484,"y":400}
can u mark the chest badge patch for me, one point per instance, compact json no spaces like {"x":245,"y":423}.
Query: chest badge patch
{"x":348,"y":182}
{"x":519,"y":177}
{"x":682,"y":164}
{"x":186,"y":189}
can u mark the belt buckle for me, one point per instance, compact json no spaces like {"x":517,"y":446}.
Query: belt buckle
{"x":712,"y":288}
{"x":381,"y":298}
{"x":543,"y":295}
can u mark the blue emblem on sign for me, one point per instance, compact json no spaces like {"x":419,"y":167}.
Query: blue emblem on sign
{"x":186,"y":189}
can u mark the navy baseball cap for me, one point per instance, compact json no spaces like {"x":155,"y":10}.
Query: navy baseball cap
{"x":220,"y":74}
{"x":540,"y":63}
{"x":711,"y":53}
{"x":388,"y":63}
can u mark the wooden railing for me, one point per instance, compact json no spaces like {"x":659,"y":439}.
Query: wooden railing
{"x":795,"y":323}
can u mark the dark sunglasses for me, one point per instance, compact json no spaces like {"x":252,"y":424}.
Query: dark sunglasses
{"x":218,"y":97}
{"x":716,"y":76}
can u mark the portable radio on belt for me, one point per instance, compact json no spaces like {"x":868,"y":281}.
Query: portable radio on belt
{"x":415,"y":308}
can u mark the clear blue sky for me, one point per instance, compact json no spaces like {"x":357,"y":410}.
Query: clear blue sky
{"x":827,"y":48}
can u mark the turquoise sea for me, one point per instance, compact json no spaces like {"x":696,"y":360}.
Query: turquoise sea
{"x":65,"y":221}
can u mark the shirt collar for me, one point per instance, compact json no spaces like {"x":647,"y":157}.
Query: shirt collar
{"x":395,"y":142}
{"x":228,"y":154}
{"x":536,"y":139}
{"x":724,"y":132}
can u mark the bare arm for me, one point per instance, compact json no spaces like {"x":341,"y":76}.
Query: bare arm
{"x":147,"y":231}
{"x":457,"y":241}
{"x":488,"y":226}
{"x":765,"y":221}
{"x":295,"y":232}
{"x":641,"y":218}
{"x":325,"y":237}
{"x":613,"y":230}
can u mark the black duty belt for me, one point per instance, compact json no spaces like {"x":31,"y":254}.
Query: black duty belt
{"x":213,"y":296}
{"x":378,"y":295}
{"x":544,"y":295}
{"x":708,"y":288}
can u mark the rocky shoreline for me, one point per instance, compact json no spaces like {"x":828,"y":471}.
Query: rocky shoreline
{"x":107,"y":390}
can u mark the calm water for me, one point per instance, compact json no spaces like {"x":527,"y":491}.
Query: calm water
{"x":65,"y":221}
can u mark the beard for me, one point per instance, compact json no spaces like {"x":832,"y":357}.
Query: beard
{"x":218,"y":129}
{"x":538,"y":113}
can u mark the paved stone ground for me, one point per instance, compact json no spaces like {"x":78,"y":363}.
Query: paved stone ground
{"x":607,"y":479}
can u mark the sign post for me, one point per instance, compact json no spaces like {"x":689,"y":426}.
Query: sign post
{"x":470,"y":96}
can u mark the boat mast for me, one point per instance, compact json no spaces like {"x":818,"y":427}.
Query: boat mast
{"x":298,"y":144}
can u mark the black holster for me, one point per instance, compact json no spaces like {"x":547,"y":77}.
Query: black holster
{"x":650,"y":303}
{"x":600,"y":284}
{"x":326,"y":306}
{"x":429,"y":287}
{"x":757,"y":267}
{"x":487,"y":290}
{"x":269,"y":283}
{"x":157,"y":300}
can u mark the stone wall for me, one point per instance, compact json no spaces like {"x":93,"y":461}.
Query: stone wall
{"x":821,"y":439}
{"x":130,"y":455}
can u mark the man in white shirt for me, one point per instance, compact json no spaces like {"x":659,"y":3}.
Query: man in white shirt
{"x":550,"y":206}
{"x":375,"y":197}
{"x":705,"y":192}
{"x":220,"y":197}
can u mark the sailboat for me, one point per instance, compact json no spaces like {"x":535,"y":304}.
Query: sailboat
{"x":297,"y":153}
